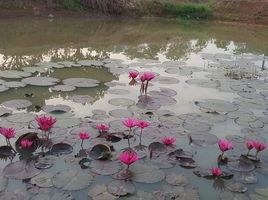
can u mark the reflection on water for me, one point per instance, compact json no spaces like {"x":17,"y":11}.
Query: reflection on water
{"x":26,"y":42}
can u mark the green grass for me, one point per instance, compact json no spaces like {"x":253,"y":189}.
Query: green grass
{"x":188,"y":10}
{"x":74,"y":5}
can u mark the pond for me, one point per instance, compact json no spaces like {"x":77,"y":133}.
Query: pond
{"x":210,"y":84}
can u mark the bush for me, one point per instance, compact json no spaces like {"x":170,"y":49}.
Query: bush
{"x":188,"y":10}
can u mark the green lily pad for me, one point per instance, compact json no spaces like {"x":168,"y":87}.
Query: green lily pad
{"x":40,"y":81}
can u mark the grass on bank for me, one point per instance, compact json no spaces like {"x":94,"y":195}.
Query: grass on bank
{"x":188,"y":10}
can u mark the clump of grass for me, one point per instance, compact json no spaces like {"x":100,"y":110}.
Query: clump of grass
{"x":188,"y":10}
{"x":70,"y":4}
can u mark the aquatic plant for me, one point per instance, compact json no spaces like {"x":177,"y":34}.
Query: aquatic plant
{"x":129,"y":123}
{"x":216,"y":171}
{"x":102,"y":128}
{"x":169,"y":140}
{"x":250,"y":145}
{"x":84,"y":136}
{"x":141,"y":124}
{"x":259,"y":146}
{"x":133,"y":75}
{"x":145,"y":78}
{"x":8,"y":133}
{"x":45,"y":124}
{"x":224,"y":145}
{"x":128,"y":158}
{"x":25,"y":144}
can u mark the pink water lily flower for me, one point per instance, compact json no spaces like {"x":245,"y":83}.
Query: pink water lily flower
{"x":130,"y":122}
{"x":169,"y":140}
{"x":216,"y":171}
{"x":225,"y":145}
{"x":133,"y":74}
{"x":250,"y":145}
{"x":45,"y":123}
{"x":149,"y":76}
{"x":259,"y":146}
{"x":103,"y":127}
{"x":25,"y":144}
{"x":128,"y":157}
{"x":142,"y":124}
{"x":8,"y":133}
{"x":84,"y":136}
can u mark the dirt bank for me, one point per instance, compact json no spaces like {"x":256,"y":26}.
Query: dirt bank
{"x":230,"y":11}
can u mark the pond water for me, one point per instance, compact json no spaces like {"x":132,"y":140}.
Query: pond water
{"x":211,"y":84}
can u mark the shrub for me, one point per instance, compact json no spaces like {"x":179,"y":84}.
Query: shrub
{"x":188,"y":10}
{"x":70,"y":4}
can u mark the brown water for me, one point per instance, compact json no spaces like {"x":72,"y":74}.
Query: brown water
{"x":142,"y":45}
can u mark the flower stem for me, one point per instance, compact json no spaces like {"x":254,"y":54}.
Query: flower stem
{"x":128,"y":138}
{"x":140,"y":135}
{"x":248,"y":152}
{"x":82,"y":144}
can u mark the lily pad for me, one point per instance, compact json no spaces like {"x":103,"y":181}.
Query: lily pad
{"x":72,"y":180}
{"x":100,"y":151}
{"x":121,"y":113}
{"x":14,"y":74}
{"x":246,"y":178}
{"x":81,"y":82}
{"x":236,"y":187}
{"x":120,"y":188}
{"x":21,"y":117}
{"x":17,"y":103}
{"x":68,"y":122}
{"x":89,"y":63}
{"x":121,"y":102}
{"x":196,"y":126}
{"x":233,"y":196}
{"x":176,"y":179}
{"x":6,"y":151}
{"x":145,"y":173}
{"x":99,"y":192}
{"x":167,"y":80}
{"x":21,"y":170}
{"x":14,"y":84}
{"x":63,"y":88}
{"x":216,"y":105}
{"x":203,"y":83}
{"x":241,"y":165}
{"x":56,"y":108}
{"x":4,"y":111}
{"x":40,"y":81}
{"x":43,"y":179}
{"x":260,"y":194}
{"x":45,"y":162}
{"x":105,"y":167}
{"x":157,"y":147}
{"x":55,"y":196}
{"x":61,"y":149}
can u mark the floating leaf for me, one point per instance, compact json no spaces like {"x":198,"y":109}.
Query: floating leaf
{"x":63,"y":88}
{"x":241,"y":165}
{"x":81,"y":82}
{"x":236,"y":187}
{"x":14,"y":74}
{"x":120,"y":113}
{"x":105,"y":167}
{"x":233,"y":196}
{"x":4,"y":111}
{"x":56,"y":196}
{"x":17,"y":103}
{"x":40,"y":81}
{"x":45,"y":162}
{"x":56,"y":108}
{"x":176,"y":179}
{"x":83,"y":99}
{"x":121,"y":102}
{"x":43,"y":179}
{"x":21,"y":117}
{"x":120,"y":188}
{"x":61,"y":149}
{"x":99,"y":192}
{"x":21,"y":170}
{"x":100,"y":151}
{"x":216,"y":105}
{"x":145,"y":173}
{"x":72,"y":180}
